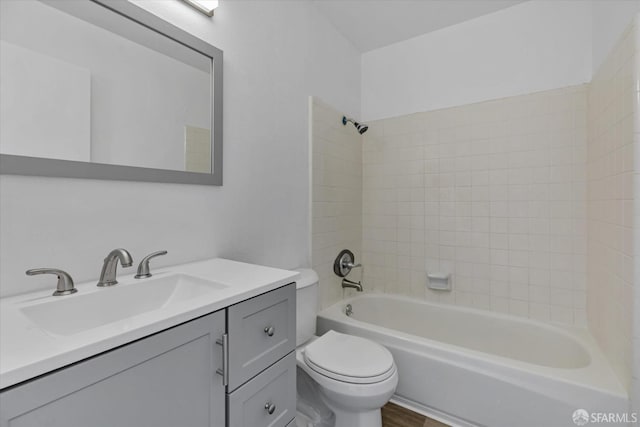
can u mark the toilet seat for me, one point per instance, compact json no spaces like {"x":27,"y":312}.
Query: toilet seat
{"x":349,"y":359}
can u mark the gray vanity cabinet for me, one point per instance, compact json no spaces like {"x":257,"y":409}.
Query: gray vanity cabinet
{"x":175,"y":378}
{"x":165,"y":380}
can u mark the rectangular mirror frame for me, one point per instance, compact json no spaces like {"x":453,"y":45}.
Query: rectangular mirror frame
{"x":38,"y":166}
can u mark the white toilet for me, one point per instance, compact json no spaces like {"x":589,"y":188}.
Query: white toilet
{"x":355,"y":376}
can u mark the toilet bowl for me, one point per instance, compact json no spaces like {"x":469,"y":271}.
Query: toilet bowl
{"x":355,"y":377}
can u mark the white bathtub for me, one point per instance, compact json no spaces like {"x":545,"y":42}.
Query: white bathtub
{"x":470,"y":367}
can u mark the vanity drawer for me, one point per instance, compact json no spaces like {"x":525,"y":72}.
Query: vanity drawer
{"x":274,"y":390}
{"x":261,"y":331}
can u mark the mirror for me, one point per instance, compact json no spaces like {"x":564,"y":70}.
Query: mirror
{"x":103,"y":89}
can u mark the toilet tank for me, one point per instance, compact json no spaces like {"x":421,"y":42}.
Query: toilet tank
{"x":306,"y":305}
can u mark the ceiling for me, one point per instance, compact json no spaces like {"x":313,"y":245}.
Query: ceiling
{"x":371,"y":24}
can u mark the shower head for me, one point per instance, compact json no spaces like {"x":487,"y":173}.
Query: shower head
{"x":361,"y":128}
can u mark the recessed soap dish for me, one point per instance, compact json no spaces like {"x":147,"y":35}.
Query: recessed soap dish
{"x":439,"y":281}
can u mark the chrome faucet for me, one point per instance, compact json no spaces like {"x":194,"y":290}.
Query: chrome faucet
{"x":346,"y":283}
{"x":65,"y":282}
{"x":108,"y":274}
{"x":143,"y":267}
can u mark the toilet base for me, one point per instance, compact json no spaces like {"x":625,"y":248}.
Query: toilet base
{"x":358,"y":419}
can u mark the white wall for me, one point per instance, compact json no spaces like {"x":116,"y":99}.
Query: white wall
{"x":276,"y":54}
{"x":610,"y":18}
{"x":530,"y":47}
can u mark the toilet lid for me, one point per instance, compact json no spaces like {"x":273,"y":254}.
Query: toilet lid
{"x":349,"y":358}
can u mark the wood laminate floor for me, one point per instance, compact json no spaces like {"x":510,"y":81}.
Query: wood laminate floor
{"x":397,"y":416}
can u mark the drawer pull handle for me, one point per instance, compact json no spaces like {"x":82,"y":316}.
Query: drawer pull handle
{"x":269,"y":330}
{"x":270,"y":407}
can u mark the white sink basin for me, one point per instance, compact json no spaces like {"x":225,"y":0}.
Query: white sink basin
{"x":80,"y":312}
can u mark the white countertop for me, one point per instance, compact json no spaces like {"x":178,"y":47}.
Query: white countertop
{"x":27,"y":351}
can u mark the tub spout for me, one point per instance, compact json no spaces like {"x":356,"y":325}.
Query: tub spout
{"x":346,"y":283}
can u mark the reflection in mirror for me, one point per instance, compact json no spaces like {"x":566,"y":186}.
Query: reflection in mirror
{"x":82,"y":82}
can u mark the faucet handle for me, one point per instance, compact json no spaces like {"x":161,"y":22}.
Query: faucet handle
{"x":65,"y":284}
{"x":351,"y":265}
{"x":344,"y":263}
{"x":143,"y":267}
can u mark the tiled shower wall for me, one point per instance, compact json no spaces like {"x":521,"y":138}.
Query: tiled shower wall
{"x":493,"y":193}
{"x":336,"y":211}
{"x":612,"y":162}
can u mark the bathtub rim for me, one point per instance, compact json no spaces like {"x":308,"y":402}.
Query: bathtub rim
{"x":597,"y":376}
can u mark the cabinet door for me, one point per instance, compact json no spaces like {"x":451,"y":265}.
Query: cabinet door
{"x":166,"y":380}
{"x":262,"y":330}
